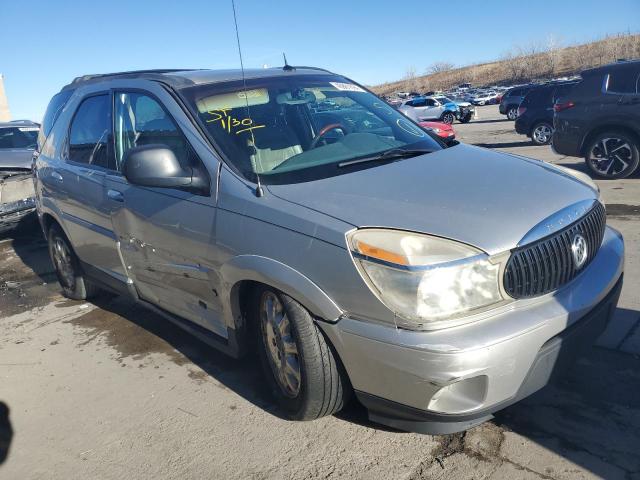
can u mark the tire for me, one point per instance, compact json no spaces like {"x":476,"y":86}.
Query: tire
{"x":512,"y":113}
{"x":466,"y":118}
{"x":613,"y":155}
{"x":322,"y":387}
{"x":70,"y":276}
{"x":448,"y":118}
{"x":541,"y":133}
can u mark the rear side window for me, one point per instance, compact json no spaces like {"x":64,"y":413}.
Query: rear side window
{"x":54,"y":108}
{"x":89,"y":132}
{"x":621,"y":81}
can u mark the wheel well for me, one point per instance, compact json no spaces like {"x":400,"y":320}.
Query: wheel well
{"x":47,"y":221}
{"x":607,"y":128}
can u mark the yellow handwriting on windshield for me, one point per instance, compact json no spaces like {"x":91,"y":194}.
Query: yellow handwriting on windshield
{"x":230,"y":123}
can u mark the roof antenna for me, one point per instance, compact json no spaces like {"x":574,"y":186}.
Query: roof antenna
{"x":259,"y":191}
{"x":287,"y":67}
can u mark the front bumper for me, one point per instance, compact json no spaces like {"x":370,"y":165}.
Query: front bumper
{"x":449,"y":380}
{"x":11,"y":213}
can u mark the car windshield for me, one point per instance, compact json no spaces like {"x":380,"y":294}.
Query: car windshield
{"x":300,"y":127}
{"x":18,"y":137}
{"x":444,"y":100}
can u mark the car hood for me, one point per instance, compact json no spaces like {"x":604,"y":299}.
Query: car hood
{"x":16,"y":158}
{"x":474,"y":195}
{"x":463,"y":104}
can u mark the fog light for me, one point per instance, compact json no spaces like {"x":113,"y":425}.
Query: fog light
{"x":460,"y":397}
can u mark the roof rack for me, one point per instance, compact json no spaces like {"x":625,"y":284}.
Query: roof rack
{"x":85,"y":78}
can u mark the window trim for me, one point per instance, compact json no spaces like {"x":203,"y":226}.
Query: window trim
{"x":67,"y":146}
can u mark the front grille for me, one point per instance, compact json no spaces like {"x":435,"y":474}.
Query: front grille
{"x":546,"y":265}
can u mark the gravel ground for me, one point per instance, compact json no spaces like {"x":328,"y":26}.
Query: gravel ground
{"x":109,"y":390}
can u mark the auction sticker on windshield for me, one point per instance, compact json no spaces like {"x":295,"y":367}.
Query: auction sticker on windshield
{"x":347,"y":87}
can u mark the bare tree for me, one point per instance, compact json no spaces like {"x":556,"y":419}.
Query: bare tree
{"x":552,"y":54}
{"x":441,"y":66}
{"x":411,"y":78}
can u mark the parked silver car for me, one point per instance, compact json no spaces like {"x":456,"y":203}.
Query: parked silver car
{"x":347,"y":247}
{"x":428,"y":108}
{"x":17,"y":144}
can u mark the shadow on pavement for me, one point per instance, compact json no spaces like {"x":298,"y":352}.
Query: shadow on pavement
{"x":495,"y":120}
{"x":6,"y":432}
{"x":590,"y":416}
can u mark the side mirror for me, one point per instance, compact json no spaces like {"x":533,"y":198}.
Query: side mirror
{"x":155,"y":166}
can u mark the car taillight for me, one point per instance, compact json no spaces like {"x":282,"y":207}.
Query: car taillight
{"x":558,"y":107}
{"x":521,"y":110}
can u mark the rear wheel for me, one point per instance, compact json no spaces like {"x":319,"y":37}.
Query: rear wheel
{"x":541,"y":133}
{"x":448,"y":118}
{"x":302,"y":370}
{"x":612,"y":155}
{"x":72,"y":280}
{"x":512,"y":113}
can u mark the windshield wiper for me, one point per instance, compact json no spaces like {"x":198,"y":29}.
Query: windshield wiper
{"x":388,"y":155}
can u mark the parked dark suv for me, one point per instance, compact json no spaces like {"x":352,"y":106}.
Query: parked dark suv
{"x":599,"y":119}
{"x":511,"y":100}
{"x":535,"y":114}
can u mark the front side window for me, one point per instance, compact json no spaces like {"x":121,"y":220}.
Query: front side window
{"x":89,"y":132}
{"x":300,"y":127}
{"x":18,"y":137}
{"x":141,"y":120}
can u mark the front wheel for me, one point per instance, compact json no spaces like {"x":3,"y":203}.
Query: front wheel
{"x":448,"y":118}
{"x":512,"y":113}
{"x":466,"y":118}
{"x":303,"y":372}
{"x":541,"y":133}
{"x":70,"y":276}
{"x":613,"y":155}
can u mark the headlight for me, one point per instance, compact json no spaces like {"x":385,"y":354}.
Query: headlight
{"x":426,"y":281}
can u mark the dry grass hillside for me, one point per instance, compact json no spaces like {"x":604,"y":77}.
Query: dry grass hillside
{"x":521,"y":64}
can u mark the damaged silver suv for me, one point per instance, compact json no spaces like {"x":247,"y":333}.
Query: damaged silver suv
{"x":18,"y":141}
{"x":293,"y":213}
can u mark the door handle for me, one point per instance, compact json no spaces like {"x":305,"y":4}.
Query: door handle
{"x":115,"y":195}
{"x":56,"y":176}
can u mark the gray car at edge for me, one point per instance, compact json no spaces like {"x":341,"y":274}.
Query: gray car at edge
{"x":348,"y":248}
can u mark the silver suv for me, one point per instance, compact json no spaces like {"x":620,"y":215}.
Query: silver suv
{"x":293,"y":213}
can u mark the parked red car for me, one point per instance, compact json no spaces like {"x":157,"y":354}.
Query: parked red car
{"x":443,"y":130}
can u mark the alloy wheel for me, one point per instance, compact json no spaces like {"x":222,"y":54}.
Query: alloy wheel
{"x":610,"y":156}
{"x":512,"y":113}
{"x":542,"y":134}
{"x":448,"y":118}
{"x":280,"y":345}
{"x":62,"y":261}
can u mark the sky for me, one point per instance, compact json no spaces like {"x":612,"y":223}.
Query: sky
{"x":46,"y":43}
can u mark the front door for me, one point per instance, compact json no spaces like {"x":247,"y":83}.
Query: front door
{"x":166,"y":235}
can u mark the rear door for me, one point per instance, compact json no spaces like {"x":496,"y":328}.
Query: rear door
{"x":167,"y":235}
{"x":87,"y":157}
{"x":622,"y":85}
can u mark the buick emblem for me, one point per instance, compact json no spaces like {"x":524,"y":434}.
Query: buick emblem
{"x":579,"y":250}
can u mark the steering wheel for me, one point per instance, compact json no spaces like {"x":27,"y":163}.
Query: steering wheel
{"x":323,"y":131}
